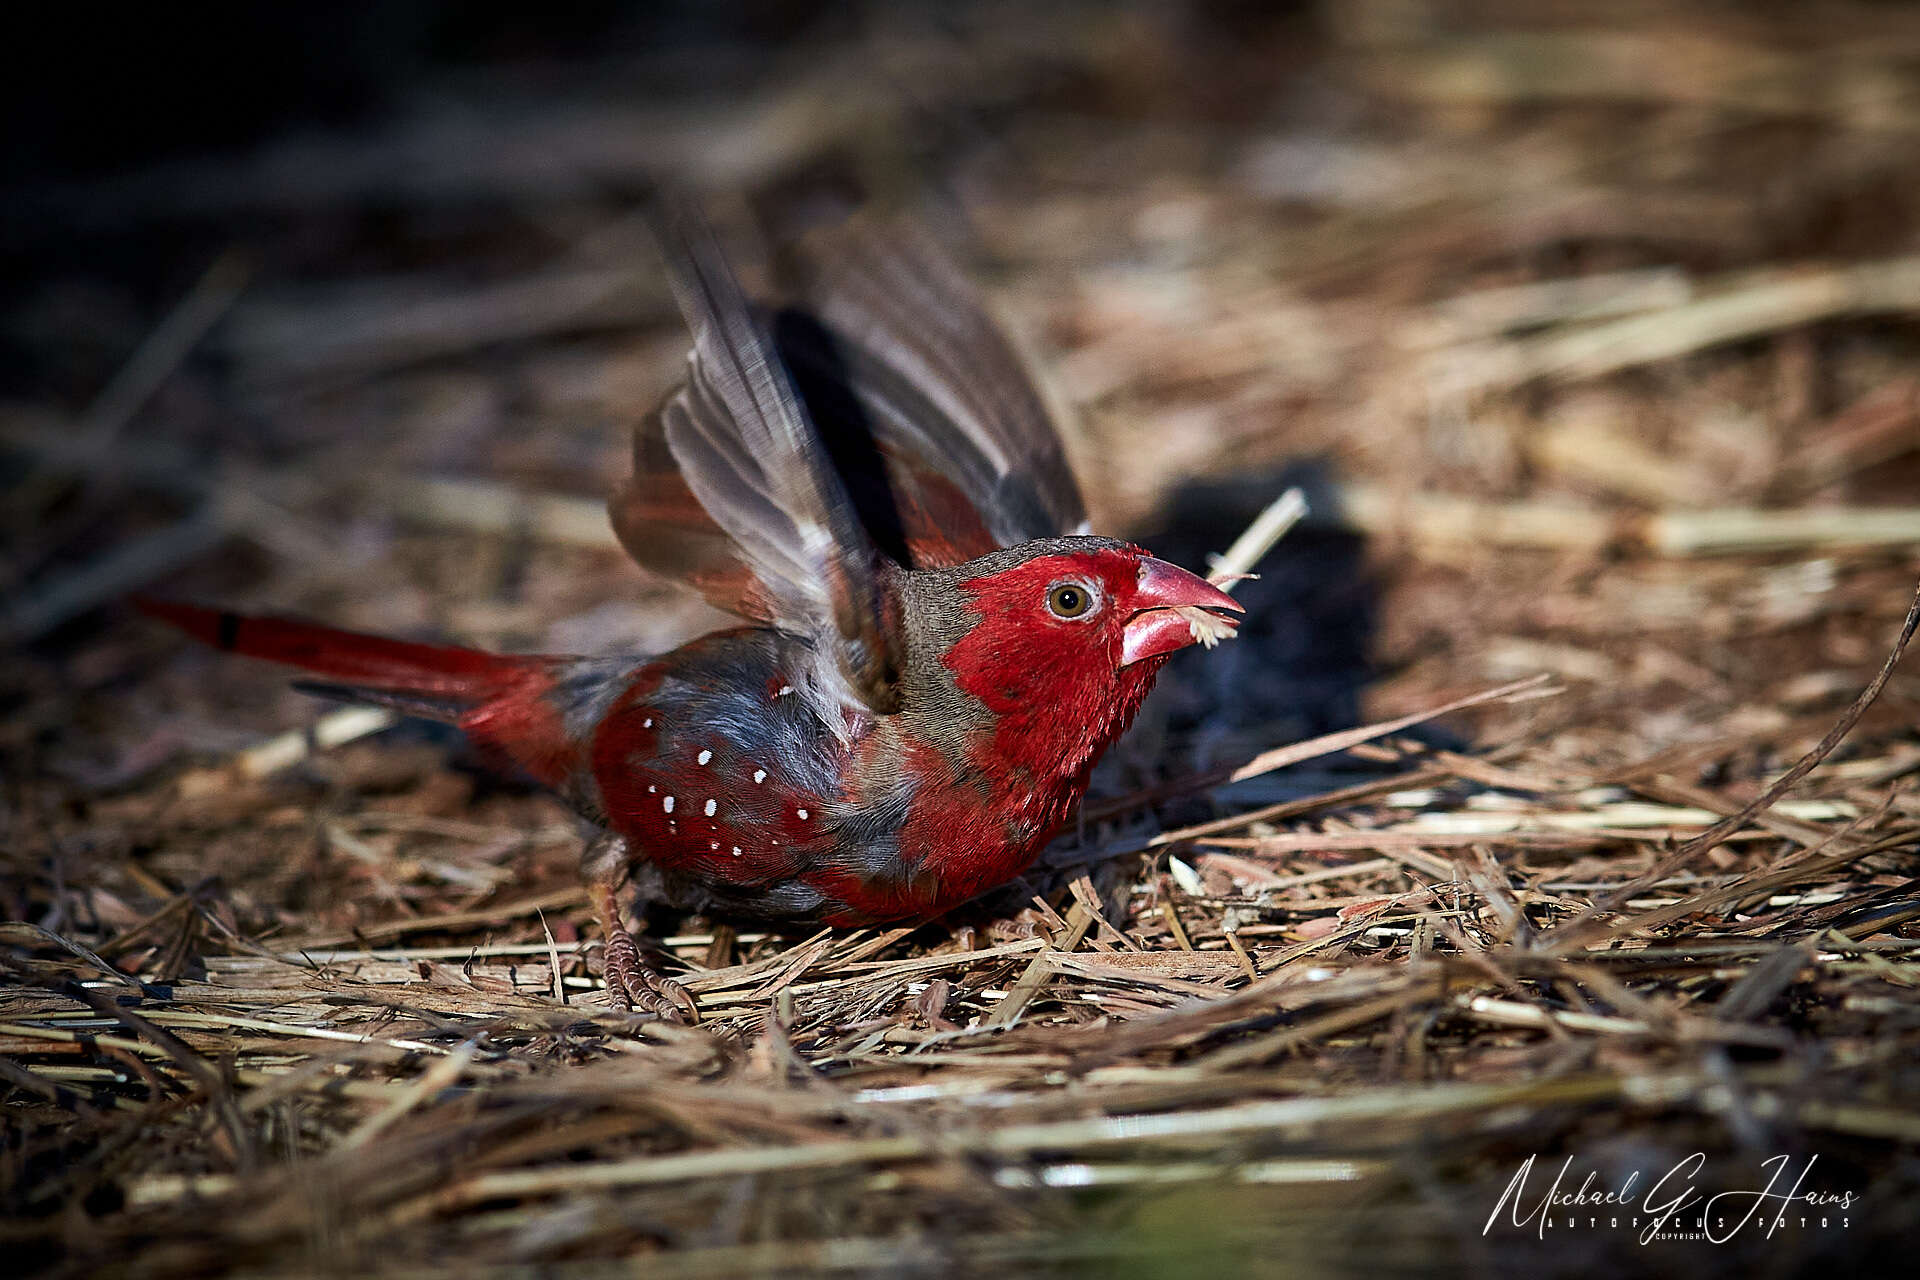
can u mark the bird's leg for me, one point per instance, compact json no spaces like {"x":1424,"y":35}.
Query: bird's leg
{"x":631,"y":984}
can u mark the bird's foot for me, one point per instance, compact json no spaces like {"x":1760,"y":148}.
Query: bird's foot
{"x":632,"y":985}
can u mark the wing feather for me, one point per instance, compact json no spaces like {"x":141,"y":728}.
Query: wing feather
{"x":931,"y":364}
{"x":748,"y":454}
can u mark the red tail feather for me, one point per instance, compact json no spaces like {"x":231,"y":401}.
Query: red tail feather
{"x":439,"y":670}
{"x":501,"y":700}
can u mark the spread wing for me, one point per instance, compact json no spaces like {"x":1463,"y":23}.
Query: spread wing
{"x":925,"y":412}
{"x":744,"y":454}
{"x":942,"y":389}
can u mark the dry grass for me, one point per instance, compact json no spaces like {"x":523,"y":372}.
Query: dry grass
{"x":1634,"y":438}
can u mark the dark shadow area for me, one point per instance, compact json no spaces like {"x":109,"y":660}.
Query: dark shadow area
{"x":1304,"y":655}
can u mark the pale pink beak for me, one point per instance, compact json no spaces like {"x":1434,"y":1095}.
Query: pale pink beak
{"x":1157,"y":625}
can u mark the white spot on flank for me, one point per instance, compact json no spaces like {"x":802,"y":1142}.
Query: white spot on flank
{"x":713,"y":844}
{"x":785,"y":689}
{"x":759,"y":775}
{"x":803,"y":815}
{"x":704,"y":757}
{"x":736,"y":851}
{"x":712,"y":807}
{"x":651,"y":788}
{"x":668,"y":804}
{"x":647,"y":723}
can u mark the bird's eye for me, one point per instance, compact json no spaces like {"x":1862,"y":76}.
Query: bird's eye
{"x":1069,"y":599}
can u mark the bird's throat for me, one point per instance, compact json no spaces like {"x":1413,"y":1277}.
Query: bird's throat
{"x":1034,"y":756}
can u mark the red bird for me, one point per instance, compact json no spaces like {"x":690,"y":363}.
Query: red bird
{"x":935,"y":657}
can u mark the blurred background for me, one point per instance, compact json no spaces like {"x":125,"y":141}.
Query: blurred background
{"x":1590,"y":330}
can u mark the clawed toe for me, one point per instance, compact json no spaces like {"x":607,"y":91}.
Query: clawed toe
{"x":633,"y":987}
{"x":637,"y":988}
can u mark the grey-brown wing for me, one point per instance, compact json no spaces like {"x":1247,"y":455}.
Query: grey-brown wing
{"x":942,"y":387}
{"x":742,"y":444}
